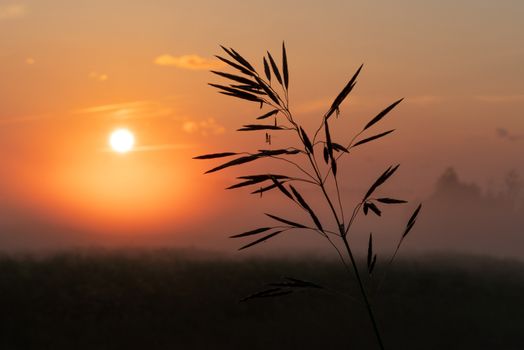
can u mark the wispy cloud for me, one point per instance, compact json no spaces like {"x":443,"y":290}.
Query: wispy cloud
{"x":12,"y":11}
{"x":501,"y":98}
{"x":424,"y":100}
{"x":312,"y":106}
{"x":98,"y":76}
{"x":23,"y":119}
{"x":129,"y":110}
{"x":203,"y":127}
{"x":194,"y":62}
{"x":363,"y":101}
{"x":156,"y":148}
{"x":154,"y":109}
{"x":507,"y":135}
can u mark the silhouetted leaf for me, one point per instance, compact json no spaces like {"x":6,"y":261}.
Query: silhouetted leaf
{"x":235,"y":92}
{"x":234,"y":162}
{"x":390,"y":171}
{"x":247,"y":97}
{"x":236,"y":78}
{"x":242,"y":60}
{"x":391,"y":201}
{"x":276,"y":152}
{"x":268,"y":114}
{"x":263,"y":176}
{"x":372,"y":258}
{"x":372,"y":267}
{"x":370,"y":250}
{"x":252,"y":232}
{"x":215,"y":155}
{"x":334,"y":166}
{"x":339,"y":148}
{"x":304,"y":205}
{"x":330,"y":148}
{"x":328,"y":140}
{"x":282,"y":188}
{"x":411,"y":221}
{"x":249,"y":88}
{"x":235,"y":65}
{"x":326,"y":155}
{"x":284,"y":66}
{"x":382,"y":114}
{"x":295,"y":283}
{"x":264,"y":189}
{"x":267,"y":89}
{"x":415,"y":214}
{"x":299,"y":197}
{"x":307,"y":142}
{"x":268,"y":293}
{"x":267,"y":71}
{"x":256,"y":127}
{"x":374,"y":209}
{"x":260,"y":240}
{"x":276,"y":72}
{"x":228,"y":51}
{"x":303,"y":283}
{"x":287,"y":222}
{"x":254,"y":179}
{"x":371,"y":138}
{"x":243,"y":184}
{"x":236,"y":56}
{"x":343,"y":94}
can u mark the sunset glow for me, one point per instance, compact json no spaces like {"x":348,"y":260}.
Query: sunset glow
{"x":262,"y":174}
{"x":99,"y":124}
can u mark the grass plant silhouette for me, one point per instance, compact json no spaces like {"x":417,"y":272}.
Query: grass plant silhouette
{"x":316,"y":161}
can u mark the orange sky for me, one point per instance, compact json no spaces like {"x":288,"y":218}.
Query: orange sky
{"x":72,"y":72}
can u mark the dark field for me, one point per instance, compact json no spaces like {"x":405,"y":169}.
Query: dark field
{"x":174,"y":300}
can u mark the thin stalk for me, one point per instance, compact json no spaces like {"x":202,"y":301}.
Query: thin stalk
{"x":342,"y":229}
{"x":339,"y":199}
{"x":297,"y":166}
{"x":363,"y":291}
{"x":324,"y":192}
{"x":342,"y":153}
{"x":353,"y":217}
{"x":350,"y":253}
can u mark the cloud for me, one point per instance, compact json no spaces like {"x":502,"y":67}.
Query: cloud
{"x":98,"y":76}
{"x":204,"y":127}
{"x":316,"y":105}
{"x":23,"y":119}
{"x":156,"y":147}
{"x":424,"y":100}
{"x":130,"y":110}
{"x":506,"y":135}
{"x":12,"y":11}
{"x":501,"y":98}
{"x":194,"y":62}
{"x":162,"y":147}
{"x":363,"y":101}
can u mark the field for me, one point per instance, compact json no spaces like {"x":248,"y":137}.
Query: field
{"x":187,"y":300}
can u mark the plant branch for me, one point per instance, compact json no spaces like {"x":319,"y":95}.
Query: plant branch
{"x":353,"y":217}
{"x":363,"y":292}
{"x":297,"y":166}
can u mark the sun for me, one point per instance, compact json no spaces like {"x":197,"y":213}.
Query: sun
{"x":122,"y":140}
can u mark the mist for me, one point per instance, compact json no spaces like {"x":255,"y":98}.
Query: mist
{"x":458,"y":217}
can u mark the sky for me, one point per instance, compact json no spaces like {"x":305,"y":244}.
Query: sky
{"x":72,"y":72}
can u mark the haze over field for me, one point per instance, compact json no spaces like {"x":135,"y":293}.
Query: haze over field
{"x":73,"y":72}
